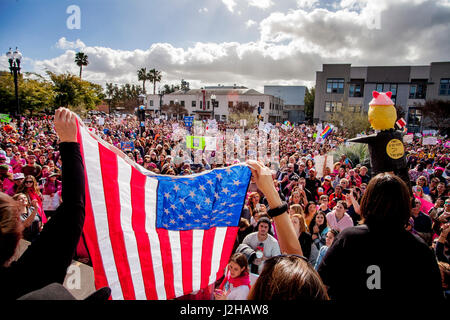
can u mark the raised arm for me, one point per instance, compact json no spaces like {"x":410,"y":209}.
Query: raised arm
{"x":50,"y":255}
{"x":287,"y":237}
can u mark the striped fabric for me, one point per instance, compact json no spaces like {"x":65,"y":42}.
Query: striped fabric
{"x":134,"y":247}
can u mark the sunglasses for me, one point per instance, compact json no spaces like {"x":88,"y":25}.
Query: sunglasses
{"x":28,"y":181}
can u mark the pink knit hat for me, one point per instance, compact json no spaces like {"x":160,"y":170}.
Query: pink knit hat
{"x":381,"y":99}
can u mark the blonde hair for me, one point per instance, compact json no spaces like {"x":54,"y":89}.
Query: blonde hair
{"x":302,"y":222}
{"x":297,"y":209}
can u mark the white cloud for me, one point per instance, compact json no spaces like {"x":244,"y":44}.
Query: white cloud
{"x":250,"y":23}
{"x":203,"y":10}
{"x":230,"y":4}
{"x":291,"y":48}
{"x":307,"y":4}
{"x":262,"y":4}
{"x":64,"y":44}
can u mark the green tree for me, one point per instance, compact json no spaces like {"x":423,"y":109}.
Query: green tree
{"x":81,"y":59}
{"x":351,"y":123}
{"x":242,"y":111}
{"x":437,"y":114}
{"x":71,"y":91}
{"x":154,"y":76}
{"x":35,"y":93}
{"x":174,"y":109}
{"x":169,"y":89}
{"x":309,"y":103}
{"x":143,"y":76}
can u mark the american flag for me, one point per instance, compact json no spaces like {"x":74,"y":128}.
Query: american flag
{"x":157,"y":237}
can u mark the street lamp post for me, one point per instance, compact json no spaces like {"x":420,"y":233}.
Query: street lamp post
{"x":14,"y":59}
{"x":213,"y":100}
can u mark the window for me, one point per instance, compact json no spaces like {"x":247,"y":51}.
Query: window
{"x":355,"y":90}
{"x":230,"y":104}
{"x":182,"y":103}
{"x":333,"y":106}
{"x":151,"y":103}
{"x":355,"y":108}
{"x":171,"y":102}
{"x":335,"y":85}
{"x":379,"y":87}
{"x":444,"y":89}
{"x":194,"y":103}
{"x":261,"y":104}
{"x":201,"y":104}
{"x":392,"y":87}
{"x":417,"y":91}
{"x":207,"y":104}
{"x":414,"y":119}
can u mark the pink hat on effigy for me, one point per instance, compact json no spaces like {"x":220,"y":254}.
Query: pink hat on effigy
{"x":381,"y":99}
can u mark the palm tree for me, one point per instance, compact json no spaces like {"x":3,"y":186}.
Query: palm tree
{"x":81,"y":60}
{"x":143,"y":76}
{"x":154,"y":76}
{"x":109,"y":94}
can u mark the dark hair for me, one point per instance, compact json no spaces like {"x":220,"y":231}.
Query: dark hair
{"x":240,"y":259}
{"x":288,"y":278}
{"x":10,"y":232}
{"x":386,"y":204}
{"x":263,"y":220}
{"x":313,"y":222}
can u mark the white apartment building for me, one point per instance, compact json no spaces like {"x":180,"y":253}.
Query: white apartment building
{"x":199,"y":103}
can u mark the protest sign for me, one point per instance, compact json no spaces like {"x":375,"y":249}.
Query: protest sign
{"x":195,"y":142}
{"x":127,"y":146}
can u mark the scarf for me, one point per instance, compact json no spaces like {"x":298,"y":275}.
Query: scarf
{"x":236,"y":282}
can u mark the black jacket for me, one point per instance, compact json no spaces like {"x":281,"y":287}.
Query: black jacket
{"x":46,"y":260}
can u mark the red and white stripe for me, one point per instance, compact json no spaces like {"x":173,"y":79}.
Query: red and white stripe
{"x":129,"y":254}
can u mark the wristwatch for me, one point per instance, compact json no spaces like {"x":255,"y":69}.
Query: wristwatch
{"x":273,"y":212}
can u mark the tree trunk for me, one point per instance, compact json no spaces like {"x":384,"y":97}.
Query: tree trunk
{"x":81,"y":69}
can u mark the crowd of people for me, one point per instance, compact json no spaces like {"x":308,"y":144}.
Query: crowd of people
{"x":319,"y":207}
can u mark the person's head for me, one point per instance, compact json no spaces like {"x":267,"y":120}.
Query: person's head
{"x":295,"y":197}
{"x":434,"y":182}
{"x":11,"y":227}
{"x":31,"y":159}
{"x":338,"y":190}
{"x":302,"y":182}
{"x":386,"y":203}
{"x":295,"y":209}
{"x":237,"y":265}
{"x":263,"y":226}
{"x":310,"y":208}
{"x":344,"y":183}
{"x":363,"y":170}
{"x":440,"y":187}
{"x":254,"y":198}
{"x":312,"y":173}
{"x":299,"y":223}
{"x":341,"y":207}
{"x":323,"y":199}
{"x":21,"y":199}
{"x":418,"y":191}
{"x":421,"y":181}
{"x":288,"y":278}
{"x":327,"y":180}
{"x":331,"y":236}
{"x":290,"y":167}
{"x":320,"y":218}
{"x":18,"y":178}
{"x":243,"y":224}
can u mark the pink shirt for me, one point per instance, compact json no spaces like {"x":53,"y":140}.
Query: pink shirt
{"x":345,"y":222}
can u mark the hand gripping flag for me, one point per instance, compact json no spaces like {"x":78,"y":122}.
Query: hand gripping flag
{"x":153,"y":236}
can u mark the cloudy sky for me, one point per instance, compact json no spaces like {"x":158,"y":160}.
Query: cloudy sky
{"x":209,"y":42}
